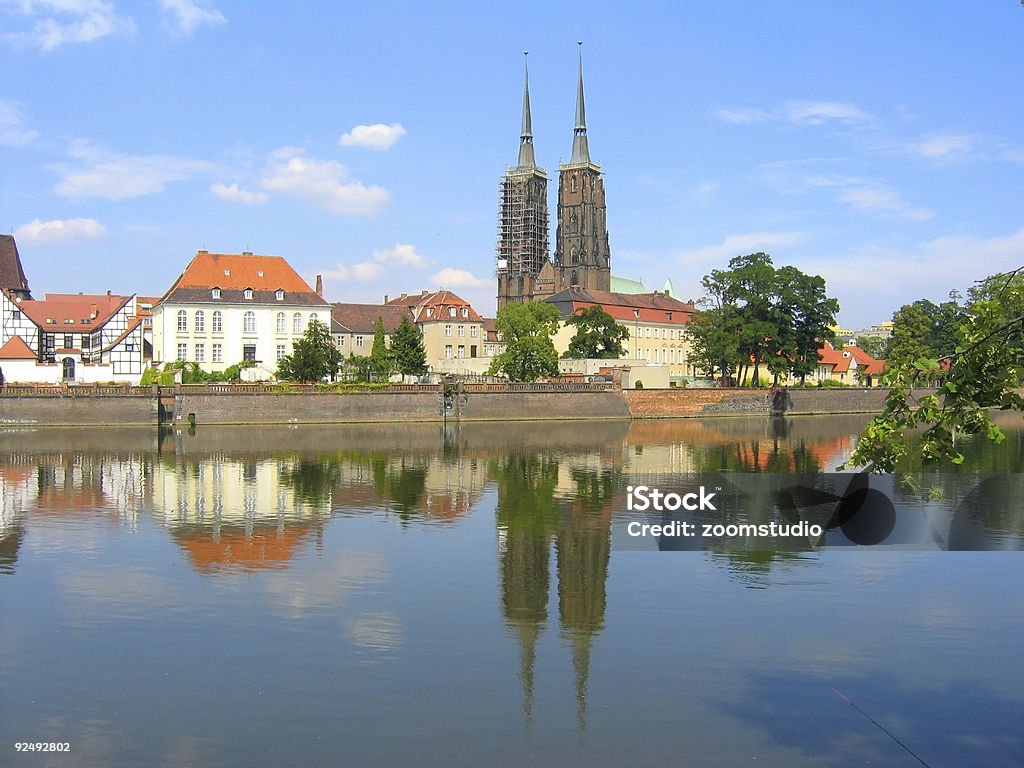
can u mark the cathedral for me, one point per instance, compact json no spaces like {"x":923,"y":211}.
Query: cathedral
{"x":582,"y":257}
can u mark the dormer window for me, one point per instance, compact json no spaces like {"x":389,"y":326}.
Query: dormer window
{"x":430,"y":311}
{"x":227,"y":272}
{"x":465,"y":311}
{"x":215,"y":293}
{"x":279,"y":294}
{"x":451,"y":311}
{"x":260,"y":273}
{"x":247,"y":293}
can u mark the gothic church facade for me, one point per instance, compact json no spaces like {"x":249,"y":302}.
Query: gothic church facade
{"x":582,"y":256}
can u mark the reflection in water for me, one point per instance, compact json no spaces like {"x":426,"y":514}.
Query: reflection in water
{"x":276,"y":513}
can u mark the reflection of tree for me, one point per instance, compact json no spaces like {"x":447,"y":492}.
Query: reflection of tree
{"x":406,"y":487}
{"x":312,"y":481}
{"x":9,"y":546}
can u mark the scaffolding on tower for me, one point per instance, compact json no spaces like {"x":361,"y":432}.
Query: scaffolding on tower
{"x":522,"y":224}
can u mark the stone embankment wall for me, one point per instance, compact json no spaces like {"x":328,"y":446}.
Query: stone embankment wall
{"x":258,"y":404}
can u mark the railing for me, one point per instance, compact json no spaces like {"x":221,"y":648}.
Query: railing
{"x":73,"y":390}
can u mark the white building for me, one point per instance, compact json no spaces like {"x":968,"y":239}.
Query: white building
{"x":229,"y":308}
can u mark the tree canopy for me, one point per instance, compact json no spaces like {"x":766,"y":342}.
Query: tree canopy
{"x":527,"y":330}
{"x":381,"y":359}
{"x":599,"y":336}
{"x":755,"y":313}
{"x":980,"y":370}
{"x":314,"y":357}
{"x":410,"y":355}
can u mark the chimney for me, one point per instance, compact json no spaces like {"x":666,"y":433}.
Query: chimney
{"x":108,"y":292}
{"x":385,"y":298}
{"x":320,"y":286}
{"x":247,"y":253}
{"x":92,"y":312}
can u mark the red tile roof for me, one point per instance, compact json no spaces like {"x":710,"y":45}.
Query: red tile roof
{"x":87,"y":312}
{"x":841,"y":360}
{"x":17,"y":349}
{"x":12,"y":276}
{"x":653,"y":307}
{"x":439,"y":304}
{"x":362,"y":318}
{"x":233,"y":273}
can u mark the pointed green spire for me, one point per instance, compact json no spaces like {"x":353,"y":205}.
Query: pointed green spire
{"x":580,"y":149}
{"x":526,"y":157}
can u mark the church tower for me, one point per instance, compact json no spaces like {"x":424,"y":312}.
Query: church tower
{"x":582,"y":254}
{"x":522,"y":249}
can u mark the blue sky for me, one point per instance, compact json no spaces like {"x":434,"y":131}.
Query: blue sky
{"x":878,"y":144}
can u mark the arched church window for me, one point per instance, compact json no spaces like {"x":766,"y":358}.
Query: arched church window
{"x":573,"y":182}
{"x":574,"y":278}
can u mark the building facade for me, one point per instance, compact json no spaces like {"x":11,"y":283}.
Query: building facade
{"x":232,"y":308}
{"x":582,"y":254}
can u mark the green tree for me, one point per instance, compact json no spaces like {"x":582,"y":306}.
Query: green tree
{"x":314,"y":357}
{"x":381,"y":359}
{"x":598,"y":335}
{"x":407,"y":347}
{"x":527,"y":330}
{"x":983,"y":371}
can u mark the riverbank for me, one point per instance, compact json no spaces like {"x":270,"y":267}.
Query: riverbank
{"x":260,"y":404}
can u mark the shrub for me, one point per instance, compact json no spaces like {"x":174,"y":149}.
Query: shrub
{"x":639,"y":384}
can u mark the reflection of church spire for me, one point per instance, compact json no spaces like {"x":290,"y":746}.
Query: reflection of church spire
{"x":584,"y":548}
{"x":525,"y":580}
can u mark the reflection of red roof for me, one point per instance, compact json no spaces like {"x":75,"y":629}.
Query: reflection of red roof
{"x":233,"y":550}
{"x":17,"y":349}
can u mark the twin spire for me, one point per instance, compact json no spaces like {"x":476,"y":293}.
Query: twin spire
{"x":580,"y":148}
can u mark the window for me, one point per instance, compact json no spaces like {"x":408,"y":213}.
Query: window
{"x":462,"y":351}
{"x":218,"y":353}
{"x":465,"y":311}
{"x":182,"y":352}
{"x":359,"y":341}
{"x":200,"y":353}
{"x":200,"y":321}
{"x":312,"y":318}
{"x":218,"y":322}
{"x":16,"y":314}
{"x":472,"y":331}
{"x":69,"y":341}
{"x":451,"y":311}
{"x":430,"y":311}
{"x":282,"y":324}
{"x":447,"y":351}
{"x":215,"y":293}
{"x":249,"y":353}
{"x":247,"y":293}
{"x":462,"y":330}
{"x":447,"y":330}
{"x":341,"y":341}
{"x":297,"y":323}
{"x":280,"y":352}
{"x":182,"y":321}
{"x":85,"y":342}
{"x":249,"y":322}
{"x":573,"y":184}
{"x":279,"y":294}
{"x":472,"y":351}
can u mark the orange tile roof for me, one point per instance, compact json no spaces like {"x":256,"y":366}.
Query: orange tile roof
{"x":238,"y":271}
{"x":439,"y":303}
{"x":17,"y":349}
{"x":653,"y":307}
{"x":87,"y":312}
{"x":841,"y":360}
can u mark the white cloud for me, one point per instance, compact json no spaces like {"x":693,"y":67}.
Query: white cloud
{"x":738,"y":245}
{"x":60,"y":231}
{"x":111,"y":176}
{"x":944,"y":145}
{"x":58,"y":22}
{"x":13,"y":132}
{"x":871,"y":197}
{"x":376,"y":136}
{"x":450,"y":278}
{"x":235,"y":194}
{"x":797,"y":113}
{"x":377,"y":267}
{"x":183,"y":16}
{"x":323,"y":184}
{"x":872,"y":281}
{"x":404,"y":255}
